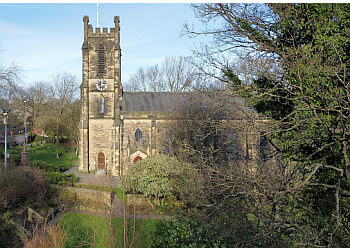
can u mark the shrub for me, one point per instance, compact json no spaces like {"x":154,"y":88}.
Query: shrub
{"x":9,"y":235}
{"x":15,"y":159}
{"x":161,"y":176}
{"x":22,"y":186}
{"x":62,"y":179}
{"x":54,"y":177}
{"x":223,"y":228}
{"x":68,"y":179}
{"x":44,"y":166}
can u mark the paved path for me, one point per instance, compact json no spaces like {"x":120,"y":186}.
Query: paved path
{"x":93,"y":179}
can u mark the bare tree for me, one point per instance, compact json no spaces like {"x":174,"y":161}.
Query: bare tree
{"x":64,"y":88}
{"x":9,"y":78}
{"x":174,"y":74}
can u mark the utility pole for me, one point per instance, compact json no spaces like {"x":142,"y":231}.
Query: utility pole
{"x":5,"y":114}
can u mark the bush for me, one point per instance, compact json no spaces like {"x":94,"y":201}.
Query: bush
{"x":22,"y":186}
{"x":44,"y":166}
{"x":162,"y":176}
{"x":9,"y":235}
{"x":62,"y":179}
{"x":223,"y":228}
{"x":68,"y":179}
{"x":54,"y":177}
{"x":15,"y":159}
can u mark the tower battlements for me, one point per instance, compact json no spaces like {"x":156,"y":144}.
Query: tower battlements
{"x":89,"y":31}
{"x":97,"y":32}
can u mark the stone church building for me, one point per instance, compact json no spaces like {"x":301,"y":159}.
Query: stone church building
{"x":118,"y":128}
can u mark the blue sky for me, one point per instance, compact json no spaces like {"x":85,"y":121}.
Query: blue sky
{"x":46,"y":38}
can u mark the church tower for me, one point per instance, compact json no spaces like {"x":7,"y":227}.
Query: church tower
{"x":101,"y":94}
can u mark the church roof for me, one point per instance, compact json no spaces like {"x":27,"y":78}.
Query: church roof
{"x":152,"y":101}
{"x":181,"y":101}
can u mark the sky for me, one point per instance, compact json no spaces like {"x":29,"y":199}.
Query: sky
{"x":46,"y":38}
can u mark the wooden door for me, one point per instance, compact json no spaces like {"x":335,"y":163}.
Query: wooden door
{"x":137,"y":158}
{"x":101,"y":161}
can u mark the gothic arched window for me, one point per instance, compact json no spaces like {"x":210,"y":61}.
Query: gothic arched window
{"x":101,"y":60}
{"x":101,"y":105}
{"x":138,"y":135}
{"x":264,"y":146}
{"x":231,"y":145}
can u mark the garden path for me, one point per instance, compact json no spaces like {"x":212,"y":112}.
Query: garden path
{"x":93,"y":179}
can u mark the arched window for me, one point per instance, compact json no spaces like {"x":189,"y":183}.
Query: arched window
{"x":264,"y":146}
{"x":231,"y":145}
{"x":101,"y":60}
{"x":138,"y":135}
{"x":101,"y":105}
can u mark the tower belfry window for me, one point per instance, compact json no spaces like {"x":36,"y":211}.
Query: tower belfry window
{"x":101,"y":61}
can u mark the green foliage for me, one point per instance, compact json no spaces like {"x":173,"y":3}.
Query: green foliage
{"x":306,"y":96}
{"x":227,"y":227}
{"x":273,"y":100}
{"x":120,"y":194}
{"x":234,"y":79}
{"x":9,"y":234}
{"x":187,"y":232}
{"x":61,"y":179}
{"x":315,"y":63}
{"x":68,"y":179}
{"x":97,"y":231}
{"x":43,"y":165}
{"x":162,"y":176}
{"x":54,"y":177}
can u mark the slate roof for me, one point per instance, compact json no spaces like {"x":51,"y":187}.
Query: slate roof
{"x":151,"y":101}
{"x":172,"y":101}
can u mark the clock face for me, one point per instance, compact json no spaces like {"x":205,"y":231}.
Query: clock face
{"x":101,"y":85}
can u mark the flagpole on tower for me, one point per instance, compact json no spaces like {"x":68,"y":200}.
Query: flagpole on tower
{"x":97,"y":17}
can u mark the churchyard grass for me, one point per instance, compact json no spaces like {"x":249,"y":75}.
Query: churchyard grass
{"x":50,"y":154}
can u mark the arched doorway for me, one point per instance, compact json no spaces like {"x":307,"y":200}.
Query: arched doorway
{"x":101,"y":161}
{"x":137,"y":158}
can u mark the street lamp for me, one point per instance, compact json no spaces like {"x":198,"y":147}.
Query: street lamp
{"x":24,"y":159}
{"x":5,"y":114}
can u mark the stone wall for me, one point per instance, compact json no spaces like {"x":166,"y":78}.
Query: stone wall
{"x":86,"y":199}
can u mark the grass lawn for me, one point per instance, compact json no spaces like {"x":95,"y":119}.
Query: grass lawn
{"x":45,"y":153}
{"x":85,"y":230}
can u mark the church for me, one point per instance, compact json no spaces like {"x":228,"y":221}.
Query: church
{"x":119,"y":128}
